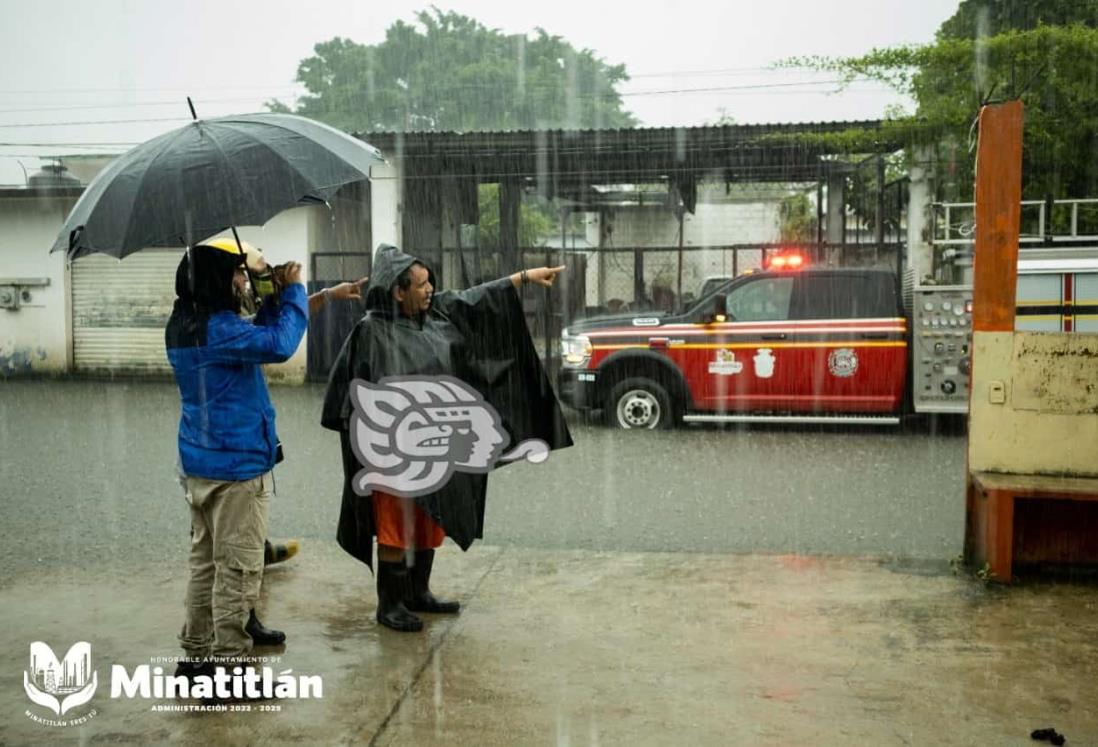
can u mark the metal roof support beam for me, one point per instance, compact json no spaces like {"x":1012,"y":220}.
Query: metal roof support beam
{"x":836,"y":213}
{"x":510,"y":200}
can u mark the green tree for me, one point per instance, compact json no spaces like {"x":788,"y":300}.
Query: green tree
{"x":994,"y":50}
{"x":975,"y":18}
{"x":450,"y":72}
{"x":723,"y":118}
{"x":796,"y":219}
{"x":534,"y":224}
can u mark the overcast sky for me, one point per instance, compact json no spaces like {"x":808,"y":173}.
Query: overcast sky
{"x":85,"y":63}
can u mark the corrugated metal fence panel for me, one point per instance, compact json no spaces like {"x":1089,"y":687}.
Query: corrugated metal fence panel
{"x":119,"y":310}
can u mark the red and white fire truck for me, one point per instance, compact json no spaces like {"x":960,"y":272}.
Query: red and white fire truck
{"x":796,"y":343}
{"x":789,"y":344}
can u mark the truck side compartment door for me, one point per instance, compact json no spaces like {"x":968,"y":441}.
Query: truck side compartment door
{"x":853,"y":339}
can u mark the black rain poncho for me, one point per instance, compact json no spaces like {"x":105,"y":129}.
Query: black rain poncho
{"x":478,"y":336}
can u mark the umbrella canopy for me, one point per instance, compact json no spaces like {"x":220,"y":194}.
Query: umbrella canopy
{"x":212,"y":174}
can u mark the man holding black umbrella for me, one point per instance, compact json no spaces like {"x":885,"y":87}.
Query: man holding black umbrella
{"x":227,"y":439}
{"x":196,"y":181}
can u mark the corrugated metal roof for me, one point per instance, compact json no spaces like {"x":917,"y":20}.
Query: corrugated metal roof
{"x":726,"y":152}
{"x":821,"y":126}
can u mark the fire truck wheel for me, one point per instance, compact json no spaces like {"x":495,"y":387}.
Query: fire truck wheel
{"x":639,"y":403}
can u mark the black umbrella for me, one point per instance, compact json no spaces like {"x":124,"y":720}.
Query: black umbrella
{"x":212,"y":174}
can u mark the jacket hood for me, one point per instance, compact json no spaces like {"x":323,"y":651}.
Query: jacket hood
{"x":389,"y":263}
{"x":208,"y":283}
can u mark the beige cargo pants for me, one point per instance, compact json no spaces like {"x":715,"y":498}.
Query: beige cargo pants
{"x":229,"y":524}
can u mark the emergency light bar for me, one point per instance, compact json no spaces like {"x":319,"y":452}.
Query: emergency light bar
{"x":785,"y":262}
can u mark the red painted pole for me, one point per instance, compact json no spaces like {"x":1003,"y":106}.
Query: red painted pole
{"x":998,"y":217}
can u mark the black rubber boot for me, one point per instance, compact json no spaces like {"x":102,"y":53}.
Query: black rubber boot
{"x":421,"y":599}
{"x":263,"y":636}
{"x":393,"y":582}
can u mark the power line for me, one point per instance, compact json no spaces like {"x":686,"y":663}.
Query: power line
{"x":272,"y":94}
{"x":126,"y":104}
{"x":609,"y":91}
{"x":752,"y":86}
{"x":98,"y":122}
{"x":189,"y":89}
{"x":67,"y":145}
{"x":293,"y":90}
{"x":609,"y":94}
{"x":293,"y":87}
{"x":43,"y":157}
{"x":716,"y":71}
{"x":717,"y":89}
{"x":760,"y":90}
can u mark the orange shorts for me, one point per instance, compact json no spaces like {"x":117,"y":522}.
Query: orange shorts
{"x":401,"y":523}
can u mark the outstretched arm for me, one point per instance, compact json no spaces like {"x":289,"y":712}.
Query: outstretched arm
{"x":489,"y":299}
{"x":232,"y":339}
{"x":337,"y":293}
{"x":543,"y":276}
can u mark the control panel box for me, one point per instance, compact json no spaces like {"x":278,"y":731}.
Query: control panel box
{"x":941,"y":342}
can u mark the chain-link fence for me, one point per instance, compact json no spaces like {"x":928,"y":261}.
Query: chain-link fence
{"x":670,"y":279}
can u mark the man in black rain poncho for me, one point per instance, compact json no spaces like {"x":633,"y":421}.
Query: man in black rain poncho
{"x":477,"y":336}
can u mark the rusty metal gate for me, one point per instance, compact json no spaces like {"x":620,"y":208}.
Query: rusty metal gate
{"x":331,"y":324}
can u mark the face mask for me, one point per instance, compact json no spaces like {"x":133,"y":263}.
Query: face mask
{"x":263,"y":282}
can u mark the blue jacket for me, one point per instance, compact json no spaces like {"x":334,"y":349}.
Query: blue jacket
{"x":227,"y":429}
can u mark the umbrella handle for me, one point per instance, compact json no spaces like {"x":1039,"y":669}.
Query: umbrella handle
{"x":74,"y":238}
{"x":190,"y":104}
{"x":244,"y":259}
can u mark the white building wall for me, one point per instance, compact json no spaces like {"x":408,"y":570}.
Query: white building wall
{"x":386,"y":196}
{"x":34,"y":338}
{"x":641,"y":226}
{"x":292,"y":236}
{"x":732,"y":223}
{"x":713,"y":224}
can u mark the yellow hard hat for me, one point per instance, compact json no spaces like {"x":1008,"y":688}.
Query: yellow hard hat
{"x":253,"y":255}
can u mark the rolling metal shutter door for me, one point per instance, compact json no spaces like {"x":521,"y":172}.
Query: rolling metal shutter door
{"x":119,"y":310}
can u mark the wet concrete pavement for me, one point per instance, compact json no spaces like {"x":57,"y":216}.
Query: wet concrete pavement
{"x":620,"y":597}
{"x":600,"y":648}
{"x":105,"y":453}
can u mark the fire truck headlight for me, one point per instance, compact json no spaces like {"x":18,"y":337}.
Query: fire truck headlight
{"x":575,"y":350}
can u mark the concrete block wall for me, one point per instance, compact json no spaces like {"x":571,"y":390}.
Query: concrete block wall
{"x":713,"y":224}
